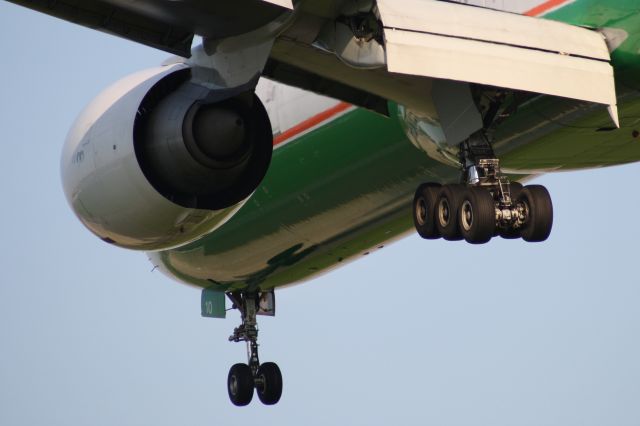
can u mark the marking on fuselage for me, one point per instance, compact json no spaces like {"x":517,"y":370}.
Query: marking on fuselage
{"x":78,"y":158}
{"x":547,"y":6}
{"x":312,"y":123}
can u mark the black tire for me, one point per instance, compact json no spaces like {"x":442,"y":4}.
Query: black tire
{"x":424,"y":210}
{"x":449,"y":201}
{"x":511,"y":233}
{"x":477,"y":216}
{"x":270,"y":388}
{"x":240,"y":384}
{"x":539,"y":212}
{"x":515,"y":189}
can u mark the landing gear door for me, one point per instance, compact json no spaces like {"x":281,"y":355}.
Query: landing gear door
{"x":459,"y":117}
{"x":475,"y":45}
{"x":267,"y":304}
{"x":213,"y":303}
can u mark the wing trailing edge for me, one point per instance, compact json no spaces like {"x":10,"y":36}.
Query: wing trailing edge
{"x":287,"y":4}
{"x":475,"y":45}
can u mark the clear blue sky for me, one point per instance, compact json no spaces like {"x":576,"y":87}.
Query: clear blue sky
{"x":421,"y":332}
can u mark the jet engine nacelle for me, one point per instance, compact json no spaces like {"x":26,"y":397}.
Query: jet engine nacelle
{"x":157,"y":161}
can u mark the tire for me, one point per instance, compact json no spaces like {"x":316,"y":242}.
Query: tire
{"x":539,"y":211}
{"x":515,"y":189}
{"x":511,"y":233}
{"x":270,"y":390}
{"x":477,"y":216}
{"x":424,"y":210}
{"x":240,"y":384}
{"x":449,"y":201}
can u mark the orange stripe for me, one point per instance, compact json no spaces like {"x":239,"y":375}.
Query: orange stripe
{"x":310,"y":122}
{"x":545,"y":7}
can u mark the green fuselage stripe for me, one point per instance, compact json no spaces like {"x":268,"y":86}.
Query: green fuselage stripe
{"x":343,"y":189}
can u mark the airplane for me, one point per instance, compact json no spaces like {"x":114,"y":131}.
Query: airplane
{"x":375,"y":119}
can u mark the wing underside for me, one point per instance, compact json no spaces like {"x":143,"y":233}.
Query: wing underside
{"x":417,"y":41}
{"x":456,"y":42}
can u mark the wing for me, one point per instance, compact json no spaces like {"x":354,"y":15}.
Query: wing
{"x":387,"y":50}
{"x":165,"y":25}
{"x":367,"y":52}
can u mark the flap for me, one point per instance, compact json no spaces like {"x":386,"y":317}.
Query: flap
{"x":475,"y":23}
{"x":287,"y":4}
{"x":458,"y":42}
{"x":499,"y":65}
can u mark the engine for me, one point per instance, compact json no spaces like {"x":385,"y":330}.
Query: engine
{"x":157,"y":160}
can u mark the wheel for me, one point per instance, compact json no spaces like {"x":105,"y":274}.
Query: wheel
{"x":515,"y":188}
{"x":240,"y":384}
{"x":424,"y":210}
{"x":477,"y":216}
{"x":449,"y":201}
{"x":539,"y":213}
{"x":269,"y":386}
{"x":512,"y":233}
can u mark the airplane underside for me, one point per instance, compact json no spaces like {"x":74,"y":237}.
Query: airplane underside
{"x":433,"y":114}
{"x":365,"y":202}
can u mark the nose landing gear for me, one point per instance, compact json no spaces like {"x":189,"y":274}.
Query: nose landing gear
{"x":265,"y":378}
{"x":488,"y":204}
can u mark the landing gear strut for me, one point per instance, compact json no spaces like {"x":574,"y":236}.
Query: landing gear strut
{"x":486,"y":205}
{"x":265,"y":378}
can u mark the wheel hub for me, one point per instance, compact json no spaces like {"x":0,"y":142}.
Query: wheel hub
{"x":467,"y":215}
{"x":233,"y":385}
{"x":421,"y":211}
{"x":444,"y":214}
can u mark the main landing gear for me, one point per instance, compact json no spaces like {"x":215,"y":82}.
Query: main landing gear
{"x":265,"y":378}
{"x":486,"y":205}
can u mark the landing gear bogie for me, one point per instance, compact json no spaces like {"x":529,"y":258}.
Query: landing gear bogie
{"x":488,"y":204}
{"x":476,"y":213}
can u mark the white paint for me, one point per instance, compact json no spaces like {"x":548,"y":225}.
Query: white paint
{"x":499,"y":65}
{"x":492,"y":26}
{"x":613,"y":113}
{"x":288,"y":4}
{"x":289,"y":106}
{"x":338,"y":38}
{"x":104,"y":184}
{"x":235,"y":61}
{"x":449,"y":41}
{"x":614,"y":37}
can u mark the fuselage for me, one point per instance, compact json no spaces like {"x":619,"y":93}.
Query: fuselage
{"x":342,"y":179}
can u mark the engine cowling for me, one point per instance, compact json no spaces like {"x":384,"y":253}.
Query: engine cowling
{"x":156,"y":160}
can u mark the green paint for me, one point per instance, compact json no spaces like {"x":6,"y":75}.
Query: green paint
{"x":559,"y":134}
{"x":619,"y":14}
{"x":212,"y":303}
{"x":345,"y":189}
